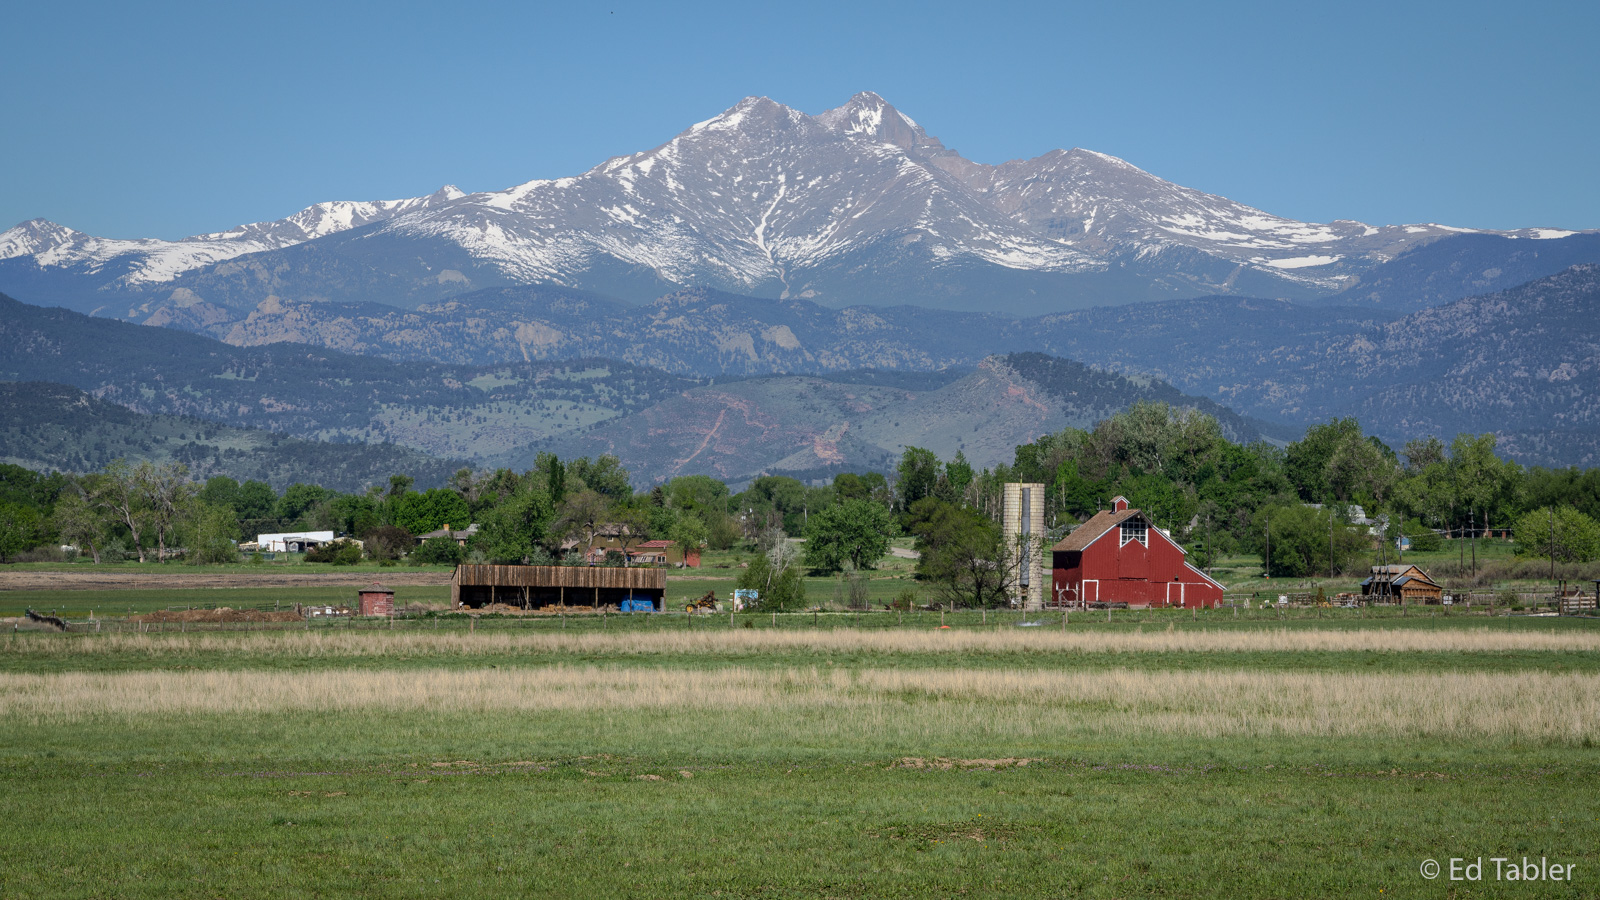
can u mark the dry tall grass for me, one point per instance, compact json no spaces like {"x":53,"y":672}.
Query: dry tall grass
{"x":736,"y":642}
{"x":1031,"y":705}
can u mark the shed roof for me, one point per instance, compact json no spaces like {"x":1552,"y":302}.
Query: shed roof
{"x":561,"y":576}
{"x":1090,"y":531}
{"x":1399,"y":574}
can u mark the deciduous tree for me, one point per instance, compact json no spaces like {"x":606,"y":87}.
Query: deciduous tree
{"x":855,"y":531}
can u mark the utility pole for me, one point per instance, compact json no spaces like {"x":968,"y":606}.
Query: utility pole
{"x":1472,"y":517}
{"x":1552,"y":543}
{"x":1330,"y":543}
{"x":1211,"y":549}
{"x":1268,"y":566}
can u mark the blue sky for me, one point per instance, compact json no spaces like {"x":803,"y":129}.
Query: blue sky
{"x":167,"y":119}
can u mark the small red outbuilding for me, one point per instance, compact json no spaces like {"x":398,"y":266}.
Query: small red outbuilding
{"x":375,"y":600}
{"x":1120,"y":557}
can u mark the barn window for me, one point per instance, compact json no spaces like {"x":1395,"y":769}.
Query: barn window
{"x":1136,"y":530}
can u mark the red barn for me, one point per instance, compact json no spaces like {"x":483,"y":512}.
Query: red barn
{"x":1119,"y":557}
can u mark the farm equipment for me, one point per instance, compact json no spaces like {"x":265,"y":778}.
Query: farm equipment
{"x":708,"y":603}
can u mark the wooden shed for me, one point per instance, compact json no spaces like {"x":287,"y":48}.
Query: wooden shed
{"x":375,"y":600}
{"x":1401,"y":584}
{"x":472,"y":587}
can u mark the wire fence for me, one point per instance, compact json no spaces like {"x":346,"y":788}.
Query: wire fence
{"x":585,"y":619}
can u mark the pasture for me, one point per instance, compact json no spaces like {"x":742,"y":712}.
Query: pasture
{"x":674,"y":756}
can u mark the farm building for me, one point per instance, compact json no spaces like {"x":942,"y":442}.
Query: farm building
{"x":460,"y":536}
{"x":294,"y":541}
{"x":1403,"y":584}
{"x":375,"y":600}
{"x":665,"y":553}
{"x":528,"y":587}
{"x":1118,"y":556}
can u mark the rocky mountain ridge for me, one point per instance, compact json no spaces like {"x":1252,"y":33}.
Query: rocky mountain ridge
{"x":856,"y":205}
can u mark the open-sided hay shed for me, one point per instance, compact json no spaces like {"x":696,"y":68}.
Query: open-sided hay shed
{"x":535,"y":586}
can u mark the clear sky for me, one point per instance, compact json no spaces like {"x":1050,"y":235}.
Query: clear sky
{"x":167,"y":119}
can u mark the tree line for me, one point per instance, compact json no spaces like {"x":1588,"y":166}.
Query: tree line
{"x":1298,"y":507}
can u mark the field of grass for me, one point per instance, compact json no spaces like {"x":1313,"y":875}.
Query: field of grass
{"x":651,"y":756}
{"x":126,"y":602}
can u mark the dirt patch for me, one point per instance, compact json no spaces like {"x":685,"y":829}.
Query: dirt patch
{"x":19,"y":623}
{"x":502,"y":609}
{"x":220,"y":614}
{"x":107,"y":580}
{"x":917,"y":762}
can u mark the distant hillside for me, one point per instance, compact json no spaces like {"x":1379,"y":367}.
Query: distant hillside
{"x":319,"y":394}
{"x":688,"y":332}
{"x":53,"y":426}
{"x":1464,"y":265}
{"x":1272,"y":359}
{"x":1526,"y":359}
{"x":814,"y":426}
{"x":739,"y":429}
{"x":1520,"y":361}
{"x":1095,"y":394}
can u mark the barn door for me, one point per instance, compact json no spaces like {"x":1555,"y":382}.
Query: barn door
{"x":1174,"y":593}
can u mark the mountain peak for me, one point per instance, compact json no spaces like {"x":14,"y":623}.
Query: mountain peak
{"x":34,"y":236}
{"x":735,"y":116}
{"x":869,"y":115}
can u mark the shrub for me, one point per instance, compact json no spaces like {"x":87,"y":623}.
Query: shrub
{"x":1423,"y":539}
{"x":210,"y":535}
{"x":45,"y":553}
{"x":1562,"y":532}
{"x":780,"y":588}
{"x":340,"y":553}
{"x":438,"y":551}
{"x":388,"y":542}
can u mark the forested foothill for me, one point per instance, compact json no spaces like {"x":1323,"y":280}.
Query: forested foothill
{"x":1328,"y":505}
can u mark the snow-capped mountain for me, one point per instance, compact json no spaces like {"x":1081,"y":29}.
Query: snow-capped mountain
{"x":854,"y":205}
{"x":133,"y":265}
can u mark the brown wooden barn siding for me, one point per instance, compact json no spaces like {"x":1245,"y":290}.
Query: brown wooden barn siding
{"x":579,"y":577}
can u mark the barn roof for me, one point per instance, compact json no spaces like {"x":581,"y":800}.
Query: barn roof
{"x":1398,"y":575}
{"x":1090,"y":531}
{"x":1196,"y":570}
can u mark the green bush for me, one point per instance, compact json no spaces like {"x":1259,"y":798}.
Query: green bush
{"x":438,"y":551}
{"x":780,"y":588}
{"x":340,"y":553}
{"x":1562,"y":532}
{"x":1423,"y":539}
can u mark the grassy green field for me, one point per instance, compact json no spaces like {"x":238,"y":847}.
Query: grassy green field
{"x":652,"y":756}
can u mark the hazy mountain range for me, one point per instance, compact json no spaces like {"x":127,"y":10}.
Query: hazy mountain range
{"x":857,"y":205}
{"x":760,"y":292}
{"x":54,"y":426}
{"x":659,"y":424}
{"x":1520,"y":360}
